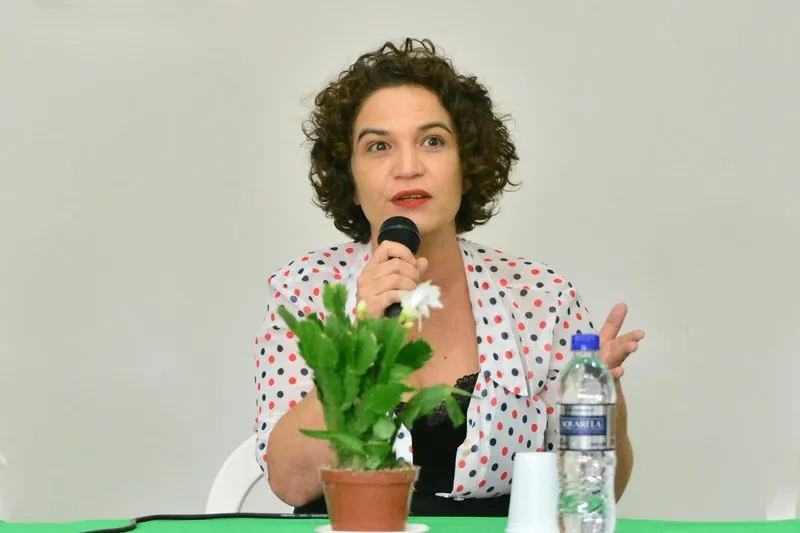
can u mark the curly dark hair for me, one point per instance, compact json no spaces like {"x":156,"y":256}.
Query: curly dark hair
{"x":486,"y":151}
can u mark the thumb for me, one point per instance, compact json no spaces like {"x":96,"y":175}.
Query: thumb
{"x":422,"y":266}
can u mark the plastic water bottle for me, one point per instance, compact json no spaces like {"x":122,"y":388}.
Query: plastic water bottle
{"x":587,"y":458}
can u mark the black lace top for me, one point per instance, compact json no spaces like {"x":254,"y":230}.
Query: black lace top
{"x":436,"y":442}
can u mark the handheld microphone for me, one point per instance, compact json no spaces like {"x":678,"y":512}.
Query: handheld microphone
{"x":401,"y":230}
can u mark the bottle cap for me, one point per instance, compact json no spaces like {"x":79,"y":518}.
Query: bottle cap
{"x":585,"y":342}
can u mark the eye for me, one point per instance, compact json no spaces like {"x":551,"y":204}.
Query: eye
{"x":433,"y":141}
{"x":377,"y":146}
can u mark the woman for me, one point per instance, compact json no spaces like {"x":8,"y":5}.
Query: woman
{"x":402,"y":133}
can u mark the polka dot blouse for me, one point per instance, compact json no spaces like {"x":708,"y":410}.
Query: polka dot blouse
{"x":525,"y":314}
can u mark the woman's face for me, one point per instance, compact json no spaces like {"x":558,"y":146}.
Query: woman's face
{"x":405,"y":160}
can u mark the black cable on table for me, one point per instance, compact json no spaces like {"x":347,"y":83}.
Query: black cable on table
{"x":152,"y":518}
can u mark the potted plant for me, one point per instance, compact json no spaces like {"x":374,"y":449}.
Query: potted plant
{"x":360,"y":369}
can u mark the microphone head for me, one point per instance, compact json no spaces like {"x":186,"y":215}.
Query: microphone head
{"x":401,"y":230}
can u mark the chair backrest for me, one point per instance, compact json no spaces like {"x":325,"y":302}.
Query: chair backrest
{"x":234,"y":481}
{"x":784,"y":505}
{"x":3,"y":512}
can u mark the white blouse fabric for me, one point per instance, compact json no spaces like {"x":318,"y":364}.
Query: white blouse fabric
{"x":525,"y":314}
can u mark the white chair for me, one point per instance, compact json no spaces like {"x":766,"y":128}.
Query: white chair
{"x":234,"y":481}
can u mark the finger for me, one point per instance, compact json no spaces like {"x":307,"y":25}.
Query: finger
{"x":391,"y":249}
{"x":617,"y":372}
{"x":396,"y":266}
{"x":613,"y":322}
{"x":395,"y":282}
{"x":619,"y":351}
{"x":635,"y":335}
{"x":422,"y":266}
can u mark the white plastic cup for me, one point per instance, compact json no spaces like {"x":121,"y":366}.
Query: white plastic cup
{"x":533,"y":506}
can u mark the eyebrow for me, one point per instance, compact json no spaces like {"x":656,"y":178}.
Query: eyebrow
{"x":424,"y":127}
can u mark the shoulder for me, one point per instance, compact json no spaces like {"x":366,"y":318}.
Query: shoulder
{"x":323,"y":265}
{"x":516,"y":273}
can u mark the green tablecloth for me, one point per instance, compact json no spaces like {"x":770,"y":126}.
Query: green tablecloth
{"x":436,"y":524}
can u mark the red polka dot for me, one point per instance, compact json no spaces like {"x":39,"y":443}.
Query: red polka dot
{"x":462,"y":463}
{"x":526,"y":350}
{"x":493,"y":402}
{"x":290,"y":334}
{"x":292,"y":380}
{"x":499,"y":374}
{"x":307,"y":310}
{"x":559,"y":356}
{"x":538,"y":449}
{"x":512,"y":263}
{"x":321,"y":315}
{"x":497,"y":319}
{"x":349,"y":250}
{"x":537,"y":302}
{"x":470,"y":268}
{"x":542,"y":324}
{"x":557,"y":280}
{"x":509,"y":355}
{"x":297,"y":292}
{"x":504,"y":475}
{"x":481,"y":434}
{"x":521,"y":326}
{"x":271,"y":406}
{"x":484,"y":460}
{"x":504,"y":282}
{"x":366,"y":257}
{"x":258,"y":386}
{"x":292,"y":404}
{"x":566,"y":325}
{"x":535,"y":271}
{"x":517,"y":390}
{"x":489,"y":339}
{"x":264,"y":457}
{"x":460,"y":488}
{"x":292,"y":357}
{"x":316,"y":291}
{"x":530,"y":374}
{"x":481,"y":483}
{"x":548,"y":347}
{"x":572,"y":293}
{"x":534,"y":427}
{"x":485,"y":286}
{"x":520,"y":439}
{"x":550,"y":410}
{"x":267,"y":336}
{"x":500,"y":426}
{"x":304,"y":258}
{"x":258,"y":363}
{"x":579,"y":316}
{"x":482,"y":358}
{"x":514,"y":414}
{"x":271,"y":359}
{"x":480,"y":302}
{"x":271,"y":382}
{"x":504,"y":451}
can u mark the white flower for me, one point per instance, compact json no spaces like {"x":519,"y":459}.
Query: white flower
{"x":417,"y":304}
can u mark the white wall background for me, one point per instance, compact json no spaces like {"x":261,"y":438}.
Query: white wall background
{"x":152,"y":172}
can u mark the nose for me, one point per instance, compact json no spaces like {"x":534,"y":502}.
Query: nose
{"x":408,"y":163}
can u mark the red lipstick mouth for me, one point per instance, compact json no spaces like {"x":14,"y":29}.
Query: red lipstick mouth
{"x":413,"y":194}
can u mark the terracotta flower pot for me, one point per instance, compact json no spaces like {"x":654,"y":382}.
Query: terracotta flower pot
{"x":371,"y":500}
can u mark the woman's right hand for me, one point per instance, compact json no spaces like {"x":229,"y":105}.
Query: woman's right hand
{"x":390,"y":272}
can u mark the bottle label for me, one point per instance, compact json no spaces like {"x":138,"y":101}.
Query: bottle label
{"x":587,"y":427}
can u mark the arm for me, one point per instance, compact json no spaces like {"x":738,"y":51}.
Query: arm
{"x":287,"y":402}
{"x":624,"y":448}
{"x":573,"y":317}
